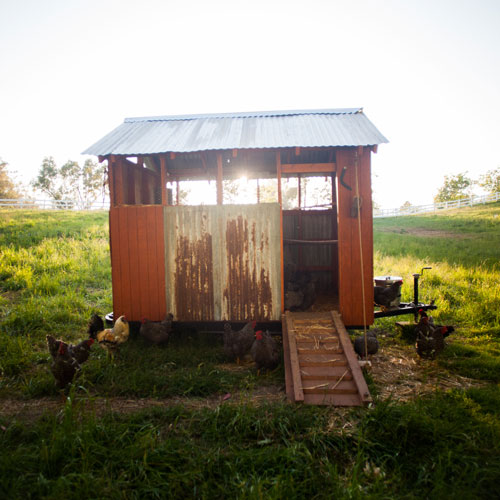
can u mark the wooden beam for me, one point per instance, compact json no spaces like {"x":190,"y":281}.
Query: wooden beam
{"x":307,"y":168}
{"x":111,"y":184}
{"x":219,"y":179}
{"x":375,"y":148}
{"x":235,"y":153}
{"x":346,"y":344}
{"x":297,"y":151}
{"x":163,"y":177}
{"x":172,"y":156}
{"x":294,"y":359}
{"x":118,"y":170}
{"x":278,"y":175}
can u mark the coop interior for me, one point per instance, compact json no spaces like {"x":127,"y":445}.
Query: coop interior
{"x":308,"y":201}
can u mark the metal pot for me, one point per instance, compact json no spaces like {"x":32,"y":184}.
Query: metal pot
{"x":387,"y":281}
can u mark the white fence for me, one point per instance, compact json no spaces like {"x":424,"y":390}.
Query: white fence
{"x":51,"y":204}
{"x":384,"y":212}
{"x":435,"y":207}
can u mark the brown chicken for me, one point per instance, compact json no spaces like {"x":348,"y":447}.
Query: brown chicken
{"x":430,"y":337}
{"x":64,"y":366}
{"x":156,"y":333}
{"x":80,"y":351}
{"x":237,"y":344}
{"x":265,"y":351}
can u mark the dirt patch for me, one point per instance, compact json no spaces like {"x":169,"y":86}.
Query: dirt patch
{"x":396,"y":370}
{"x":33,"y":409}
{"x":399,"y":373}
{"x":12,"y":296}
{"x":426,"y":233}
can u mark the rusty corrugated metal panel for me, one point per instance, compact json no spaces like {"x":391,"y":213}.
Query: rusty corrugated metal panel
{"x":189,"y":263}
{"x":223,"y":262}
{"x":279,"y":129}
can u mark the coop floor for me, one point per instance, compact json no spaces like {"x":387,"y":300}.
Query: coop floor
{"x":325,"y":301}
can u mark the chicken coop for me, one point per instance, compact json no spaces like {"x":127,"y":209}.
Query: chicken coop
{"x":225,"y":217}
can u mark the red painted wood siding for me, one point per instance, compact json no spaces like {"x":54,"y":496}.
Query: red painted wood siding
{"x":138,"y":262}
{"x":350,"y":289}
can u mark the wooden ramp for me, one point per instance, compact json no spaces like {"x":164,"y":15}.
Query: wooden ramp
{"x":321,"y":367}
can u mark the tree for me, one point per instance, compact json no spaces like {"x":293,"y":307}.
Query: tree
{"x":454,"y":187}
{"x":8,"y":187}
{"x":490,"y":181}
{"x":75,"y":184}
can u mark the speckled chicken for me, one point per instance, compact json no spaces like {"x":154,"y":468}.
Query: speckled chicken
{"x":156,"y":333}
{"x":430,"y":337}
{"x":265,"y":351}
{"x":371,"y":344}
{"x":239,"y":343}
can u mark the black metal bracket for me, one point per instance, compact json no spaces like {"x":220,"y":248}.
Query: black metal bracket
{"x":341,"y":179}
{"x":404,"y":308}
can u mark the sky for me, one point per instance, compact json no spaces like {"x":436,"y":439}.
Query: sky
{"x":426,"y":73}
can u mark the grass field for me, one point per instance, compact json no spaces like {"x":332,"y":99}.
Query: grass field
{"x":153,"y":425}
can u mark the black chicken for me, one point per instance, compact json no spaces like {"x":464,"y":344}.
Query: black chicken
{"x":157,"y":333}
{"x":96,"y":325}
{"x":371,"y":344}
{"x":265,"y":351}
{"x":384,"y":295}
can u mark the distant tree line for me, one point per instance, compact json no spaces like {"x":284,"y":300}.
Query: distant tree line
{"x":462,"y":186}
{"x":9,"y":188}
{"x":78,"y":185}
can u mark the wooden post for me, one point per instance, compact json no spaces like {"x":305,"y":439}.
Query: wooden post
{"x":258,"y":191}
{"x":177,"y":191}
{"x":118,"y":171}
{"x":278,"y":175}
{"x":163,"y":177}
{"x":111,"y":184}
{"x":219,"y":179}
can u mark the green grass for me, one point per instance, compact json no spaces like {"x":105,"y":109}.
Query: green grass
{"x":446,"y":446}
{"x":55,"y":271}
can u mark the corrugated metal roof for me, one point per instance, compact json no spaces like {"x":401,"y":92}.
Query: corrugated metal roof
{"x":252,"y":130}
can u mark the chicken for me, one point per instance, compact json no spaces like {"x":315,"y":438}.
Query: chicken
{"x":385,"y":295}
{"x":237,"y":344}
{"x":309,"y":296}
{"x":293,"y":300}
{"x":371,"y":344}
{"x":109,"y":338}
{"x":300,"y":292}
{"x":430,"y":337}
{"x":54,"y":345}
{"x":156,"y":333}
{"x":80,"y":351}
{"x":64,"y":366}
{"x":265,"y":351}
{"x":96,"y":325}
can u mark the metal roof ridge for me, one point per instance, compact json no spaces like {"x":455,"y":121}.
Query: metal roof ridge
{"x":247,"y":114}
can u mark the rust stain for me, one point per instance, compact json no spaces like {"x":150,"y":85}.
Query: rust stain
{"x":248,"y":290}
{"x":194,"y":291}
